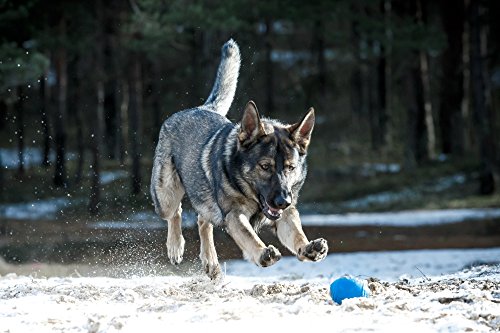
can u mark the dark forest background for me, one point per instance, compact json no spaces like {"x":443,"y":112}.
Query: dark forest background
{"x":413,"y":84}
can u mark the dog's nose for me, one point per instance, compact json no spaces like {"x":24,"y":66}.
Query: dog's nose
{"x":282,"y":201}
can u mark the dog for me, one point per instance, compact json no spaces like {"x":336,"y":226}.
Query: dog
{"x":239,"y":176}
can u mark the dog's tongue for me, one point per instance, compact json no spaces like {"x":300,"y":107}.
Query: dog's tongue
{"x":274,"y":211}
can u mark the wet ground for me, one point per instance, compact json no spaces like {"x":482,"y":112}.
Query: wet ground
{"x":65,"y":242}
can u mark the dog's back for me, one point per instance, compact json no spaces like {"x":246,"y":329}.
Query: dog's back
{"x":179,"y":163}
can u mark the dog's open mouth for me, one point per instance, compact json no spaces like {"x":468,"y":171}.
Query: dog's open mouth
{"x":270,"y":212}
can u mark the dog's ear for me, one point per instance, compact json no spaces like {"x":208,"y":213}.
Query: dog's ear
{"x":251,"y":127}
{"x":301,"y":132}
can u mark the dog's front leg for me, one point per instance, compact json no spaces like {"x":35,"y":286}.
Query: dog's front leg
{"x":290,"y":233}
{"x":238,"y":226}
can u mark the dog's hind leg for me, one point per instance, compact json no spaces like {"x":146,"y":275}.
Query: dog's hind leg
{"x":208,"y":255}
{"x":167,"y":192}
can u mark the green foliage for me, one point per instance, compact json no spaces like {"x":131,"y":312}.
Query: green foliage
{"x":156,"y":27}
{"x":18,"y":66}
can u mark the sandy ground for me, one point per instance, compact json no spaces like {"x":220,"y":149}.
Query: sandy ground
{"x":297,"y":296}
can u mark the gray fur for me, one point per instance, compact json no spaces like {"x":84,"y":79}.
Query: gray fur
{"x":216,"y":163}
{"x":224,"y":88}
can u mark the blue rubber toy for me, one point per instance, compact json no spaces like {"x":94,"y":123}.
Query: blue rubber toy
{"x":348,"y":287}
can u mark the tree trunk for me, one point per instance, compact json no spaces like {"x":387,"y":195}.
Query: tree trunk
{"x":79,"y":123}
{"x":3,"y":113}
{"x":429,"y":116}
{"x":421,"y":16}
{"x":269,"y":77}
{"x":123,"y":132}
{"x":20,"y":129}
{"x":45,"y":116}
{"x":373,"y":103}
{"x":60,"y":116}
{"x":95,"y":147}
{"x":111,"y":97}
{"x":196,"y":83}
{"x":382,"y":98}
{"x":97,"y":122}
{"x":451,"y":121}
{"x":387,"y":52}
{"x":482,"y":110}
{"x":356,"y":81}
{"x":322,"y":68}
{"x":156,"y":102}
{"x":135,"y":121}
{"x":95,"y":187}
{"x":417,"y":130}
{"x":466,"y":86}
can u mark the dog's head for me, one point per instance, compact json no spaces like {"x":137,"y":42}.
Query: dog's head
{"x":272,"y":158}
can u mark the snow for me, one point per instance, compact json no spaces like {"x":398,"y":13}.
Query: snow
{"x":409,"y":218}
{"x":47,"y":209}
{"x":296,"y":297}
{"x":386,"y":265}
{"x":387,"y":197}
{"x":34,"y":210}
{"x":31,"y":156}
{"x":107,"y":177}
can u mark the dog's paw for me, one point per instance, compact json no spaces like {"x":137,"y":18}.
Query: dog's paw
{"x":211,"y":266}
{"x":213,"y":270}
{"x":316,"y":250}
{"x":175,"y":249}
{"x":269,"y":256}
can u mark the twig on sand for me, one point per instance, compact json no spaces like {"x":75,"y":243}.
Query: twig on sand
{"x":425,"y":276}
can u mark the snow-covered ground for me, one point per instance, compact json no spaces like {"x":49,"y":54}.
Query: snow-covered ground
{"x":408,"y":218}
{"x":446,"y":297}
{"x":410,"y":193}
{"x":31,"y":156}
{"x":47,"y":209}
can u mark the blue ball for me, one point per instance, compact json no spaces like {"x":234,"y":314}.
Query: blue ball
{"x":348,"y":287}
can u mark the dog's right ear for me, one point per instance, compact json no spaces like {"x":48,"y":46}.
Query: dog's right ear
{"x":251,"y":127}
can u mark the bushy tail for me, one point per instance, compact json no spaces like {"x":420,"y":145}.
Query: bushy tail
{"x":222,"y":94}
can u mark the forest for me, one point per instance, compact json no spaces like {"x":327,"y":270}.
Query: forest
{"x":409,"y":85}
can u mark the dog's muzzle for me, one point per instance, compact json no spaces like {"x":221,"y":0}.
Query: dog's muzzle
{"x":270,"y":212}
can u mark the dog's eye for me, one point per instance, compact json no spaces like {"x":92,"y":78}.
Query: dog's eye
{"x":291,"y":167}
{"x":265,"y":166}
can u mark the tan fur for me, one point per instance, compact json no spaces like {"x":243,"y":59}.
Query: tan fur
{"x":208,"y":254}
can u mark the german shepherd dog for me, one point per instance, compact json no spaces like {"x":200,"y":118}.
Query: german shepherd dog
{"x":240,"y":176}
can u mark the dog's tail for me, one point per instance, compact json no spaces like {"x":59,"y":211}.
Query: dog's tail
{"x":222,"y":94}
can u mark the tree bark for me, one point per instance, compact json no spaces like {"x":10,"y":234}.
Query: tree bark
{"x":60,"y":116}
{"x":322,"y":68}
{"x":135,"y":121}
{"x":482,"y":111}
{"x":269,"y":77}
{"x":97,"y":122}
{"x":356,"y":81}
{"x":421,"y":15}
{"x":123,"y":132}
{"x":20,"y":129}
{"x":417,"y":130}
{"x":156,"y":102}
{"x":451,"y":120}
{"x":79,"y":122}
{"x":429,"y":115}
{"x":45,"y":116}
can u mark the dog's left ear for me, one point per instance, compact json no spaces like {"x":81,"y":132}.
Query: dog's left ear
{"x":251,"y":127}
{"x":301,"y":132}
